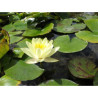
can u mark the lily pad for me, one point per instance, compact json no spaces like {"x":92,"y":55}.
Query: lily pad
{"x":88,"y":36}
{"x":9,"y":27}
{"x":4,"y":43}
{"x":20,"y":25}
{"x":95,"y":82}
{"x":36,"y":32}
{"x":92,"y":24}
{"x":65,"y":26}
{"x":82,"y":67}
{"x":68,"y":45}
{"x":59,"y":82}
{"x":7,"y":81}
{"x":15,"y":33}
{"x":22,"y":43}
{"x":18,"y":52}
{"x":22,"y":71}
{"x":14,"y":39}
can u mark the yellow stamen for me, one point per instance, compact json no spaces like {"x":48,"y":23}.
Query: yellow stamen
{"x":40,"y":46}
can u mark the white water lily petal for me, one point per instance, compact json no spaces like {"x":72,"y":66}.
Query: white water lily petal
{"x":31,"y":61}
{"x":54,"y":50}
{"x":40,"y":50}
{"x":45,"y":41}
{"x":27,"y":51}
{"x":50,"y":60}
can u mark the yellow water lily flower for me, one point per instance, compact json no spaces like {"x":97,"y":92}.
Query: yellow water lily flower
{"x":40,"y":50}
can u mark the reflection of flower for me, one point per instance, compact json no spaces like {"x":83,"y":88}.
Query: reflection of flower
{"x":40,"y":50}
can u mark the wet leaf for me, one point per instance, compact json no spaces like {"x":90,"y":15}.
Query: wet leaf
{"x":7,"y":81}
{"x":65,"y":26}
{"x":82,"y":67}
{"x":59,"y":82}
{"x":36,"y":32}
{"x":68,"y":45}
{"x":22,"y":71}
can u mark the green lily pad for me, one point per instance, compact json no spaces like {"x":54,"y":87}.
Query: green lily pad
{"x":65,"y":26}
{"x":68,"y":45}
{"x":9,"y":27}
{"x":15,"y":33}
{"x":82,"y":67}
{"x":92,"y":24}
{"x":22,"y":43}
{"x":36,"y":32}
{"x":59,"y":82}
{"x":7,"y":81}
{"x":4,"y":43}
{"x":88,"y":36}
{"x":22,"y":71}
{"x":95,"y":82}
{"x":14,"y":39}
{"x":18,"y":52}
{"x":20,"y":25}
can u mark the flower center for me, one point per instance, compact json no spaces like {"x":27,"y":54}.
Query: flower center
{"x":40,"y":46}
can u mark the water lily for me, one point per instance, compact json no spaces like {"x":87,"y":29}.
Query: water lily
{"x":40,"y":50}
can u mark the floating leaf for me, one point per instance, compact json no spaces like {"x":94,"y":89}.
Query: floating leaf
{"x":9,"y":27}
{"x":95,"y":82}
{"x":92,"y":24}
{"x":20,"y":25}
{"x":22,"y":71}
{"x":68,"y":45}
{"x":6,"y":58}
{"x":65,"y":26}
{"x":59,"y":82}
{"x":14,"y":39}
{"x":4,"y":43}
{"x":36,"y":32}
{"x":7,"y":81}
{"x":87,"y":36}
{"x":18,"y":52}
{"x":15,"y":33}
{"x":22,"y":43}
{"x":82,"y":67}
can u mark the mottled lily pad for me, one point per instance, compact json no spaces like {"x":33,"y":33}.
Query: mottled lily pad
{"x":4,"y":43}
{"x":36,"y":32}
{"x":82,"y":67}
{"x":7,"y":81}
{"x":65,"y":26}
{"x":59,"y":82}
{"x":68,"y":45}
{"x":22,"y":71}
